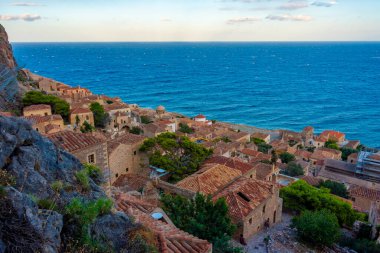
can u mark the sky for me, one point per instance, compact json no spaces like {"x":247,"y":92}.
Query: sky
{"x":190,"y":20}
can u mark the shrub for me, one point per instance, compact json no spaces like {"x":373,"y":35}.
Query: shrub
{"x":335,"y":188}
{"x":145,"y":119}
{"x":82,"y":178}
{"x":287,"y":157}
{"x":6,"y":179}
{"x":317,"y":228}
{"x":293,"y":169}
{"x":58,"y":105}
{"x":184,"y":128}
{"x":300,"y":196}
{"x":93,"y":171}
{"x":361,"y":245}
{"x":86,"y":127}
{"x":331,"y":144}
{"x":57,"y":186}
{"x":263,"y":147}
{"x":100,"y":116}
{"x":47,"y":204}
{"x":136,"y":130}
{"x":346,"y":152}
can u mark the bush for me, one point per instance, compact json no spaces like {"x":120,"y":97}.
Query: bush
{"x":335,"y":188}
{"x":6,"y":179}
{"x":317,"y":228}
{"x":58,"y":105}
{"x":57,"y":186}
{"x":136,"y":130}
{"x":287,"y":157}
{"x":361,"y":245}
{"x":346,"y":152}
{"x":263,"y":147}
{"x":100,"y":116}
{"x":47,"y":204}
{"x":86,"y":127}
{"x":94,"y":172}
{"x":331,"y":144}
{"x":293,"y":169}
{"x":184,"y":128}
{"x":82,"y":178}
{"x":300,"y":196}
{"x":145,"y":119}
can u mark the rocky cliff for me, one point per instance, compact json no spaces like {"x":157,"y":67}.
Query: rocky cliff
{"x":38,"y":181}
{"x":9,"y":88}
{"x":6,"y":53}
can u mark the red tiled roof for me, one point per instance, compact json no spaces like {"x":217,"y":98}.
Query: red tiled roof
{"x":263,"y":170}
{"x":210,"y":179}
{"x":36,"y":107}
{"x":330,"y":134}
{"x":36,"y":119}
{"x":6,"y":114}
{"x":364,"y":192}
{"x":171,"y":239}
{"x":244,"y":195}
{"x":72,"y":141}
{"x":79,"y":110}
{"x":303,"y":153}
{"x":200,"y":116}
{"x":154,"y":128}
{"x":133,"y":182}
{"x":234,"y":163}
{"x":127,"y":139}
{"x":308,"y":129}
{"x":311,"y":180}
{"x":51,"y":127}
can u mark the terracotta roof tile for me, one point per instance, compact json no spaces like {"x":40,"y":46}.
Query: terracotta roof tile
{"x":127,"y":139}
{"x":36,"y":107}
{"x":210,"y":179}
{"x":72,"y":141}
{"x":36,"y":119}
{"x":263,"y":170}
{"x":311,"y":180}
{"x":244,"y":195}
{"x":171,"y":239}
{"x":234,"y":163}
{"x":364,"y":192}
{"x":79,"y":110}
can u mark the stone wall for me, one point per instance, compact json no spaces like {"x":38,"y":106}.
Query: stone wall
{"x":100,"y":152}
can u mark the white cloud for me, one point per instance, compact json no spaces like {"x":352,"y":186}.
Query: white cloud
{"x":166,"y":20}
{"x":287,"y":17}
{"x":25,"y":17}
{"x":245,"y":20}
{"x":324,"y":3}
{"x":27,"y":4}
{"x":294,"y":5}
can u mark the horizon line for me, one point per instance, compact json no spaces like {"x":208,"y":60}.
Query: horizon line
{"x":204,"y":41}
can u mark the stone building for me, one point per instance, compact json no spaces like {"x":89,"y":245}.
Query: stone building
{"x":246,"y":169}
{"x":363,"y":197}
{"x":79,"y":115}
{"x":37,"y":110}
{"x":46,"y":124}
{"x":85,"y":147}
{"x":124,"y":155}
{"x":252,"y":204}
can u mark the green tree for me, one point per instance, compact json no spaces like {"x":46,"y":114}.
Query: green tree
{"x":178,"y":155}
{"x":287,"y":157}
{"x":293,"y":169}
{"x":274,"y":157}
{"x":86,"y":127}
{"x":203,"y":218}
{"x":346,"y":152}
{"x":257,"y":141}
{"x":136,"y":130}
{"x":317,"y":228}
{"x":263,"y":147}
{"x":184,"y":128}
{"x":145,"y":119}
{"x":58,"y":105}
{"x":335,"y":188}
{"x":100,"y":116}
{"x":300,"y":196}
{"x":331,"y":144}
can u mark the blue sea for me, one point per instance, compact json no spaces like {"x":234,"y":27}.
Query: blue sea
{"x":267,"y":85}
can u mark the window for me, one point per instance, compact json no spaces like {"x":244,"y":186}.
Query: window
{"x":117,"y":175}
{"x":264,"y":209}
{"x":127,"y":169}
{"x":37,"y":129}
{"x":134,"y":152}
{"x":91,"y":158}
{"x":251,"y":176}
{"x":87,"y":118}
{"x":250,"y":221}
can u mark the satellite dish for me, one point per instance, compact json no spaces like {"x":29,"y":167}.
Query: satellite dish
{"x":157,"y":216}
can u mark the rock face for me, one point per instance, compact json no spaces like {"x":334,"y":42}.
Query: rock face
{"x":9,"y":88}
{"x":6,"y":54}
{"x":36,"y":163}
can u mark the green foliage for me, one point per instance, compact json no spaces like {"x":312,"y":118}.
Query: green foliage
{"x":100,"y":116}
{"x":58,"y":105}
{"x":335,"y":188}
{"x":331,"y":144}
{"x":184,"y":128}
{"x":86,"y":127}
{"x":201,"y":217}
{"x":317,"y":228}
{"x":94,"y":172}
{"x":178,"y":155}
{"x":82,"y":178}
{"x":2,"y":191}
{"x":145,"y":119}
{"x":300,"y":196}
{"x":361,"y":245}
{"x":6,"y":179}
{"x":274,"y":157}
{"x":47,"y":204}
{"x":82,"y":214}
{"x":346,"y":152}
{"x":293,"y":169}
{"x":263,"y":147}
{"x":310,"y":149}
{"x":109,"y":102}
{"x":136,"y":130}
{"x":57,"y":186}
{"x":287,"y":157}
{"x":292,"y":143}
{"x":258,"y":141}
